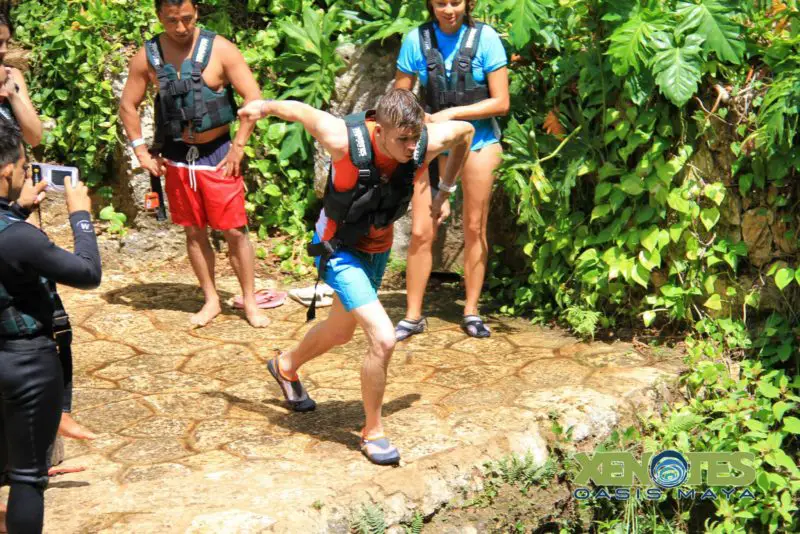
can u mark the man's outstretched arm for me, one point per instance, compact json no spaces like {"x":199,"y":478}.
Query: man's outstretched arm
{"x":455,"y":136}
{"x":330,"y":131}
{"x":241,"y":77}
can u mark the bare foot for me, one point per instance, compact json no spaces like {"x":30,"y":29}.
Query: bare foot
{"x":69,"y":428}
{"x":55,"y":471}
{"x":256,"y":317}
{"x":209,"y":310}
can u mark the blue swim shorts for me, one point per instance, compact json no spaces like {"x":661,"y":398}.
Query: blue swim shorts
{"x":355,"y":276}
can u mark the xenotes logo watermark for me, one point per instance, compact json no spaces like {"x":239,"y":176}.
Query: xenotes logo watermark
{"x":724,"y":474}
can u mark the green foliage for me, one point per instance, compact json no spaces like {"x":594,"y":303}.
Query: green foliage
{"x":582,"y":321}
{"x":416,"y":524}
{"x":752,"y":409}
{"x":116,"y":220}
{"x":677,"y":69}
{"x":619,"y":218}
{"x":715,"y":21}
{"x":74,"y":56}
{"x":381,"y":19}
{"x":369,"y":520}
{"x":526,"y":16}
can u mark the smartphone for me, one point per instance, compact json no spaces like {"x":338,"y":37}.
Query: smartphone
{"x":54,"y":175}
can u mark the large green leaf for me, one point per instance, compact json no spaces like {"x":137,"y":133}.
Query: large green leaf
{"x":525,"y":15}
{"x":709,"y":217}
{"x":632,"y":43}
{"x":784,"y":277}
{"x":712,"y":19}
{"x":677,"y":69}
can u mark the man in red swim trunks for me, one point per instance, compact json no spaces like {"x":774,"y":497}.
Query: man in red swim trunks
{"x":195,"y":72}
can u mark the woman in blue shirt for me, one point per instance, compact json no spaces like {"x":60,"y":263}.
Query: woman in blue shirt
{"x":451,"y":23}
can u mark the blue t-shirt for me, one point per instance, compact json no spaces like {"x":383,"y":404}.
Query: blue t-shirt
{"x":489,"y":57}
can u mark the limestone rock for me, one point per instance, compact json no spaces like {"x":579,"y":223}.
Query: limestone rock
{"x":18,"y":58}
{"x":448,"y":248}
{"x":530,"y":442}
{"x":240,"y":521}
{"x":784,"y":233}
{"x":757,"y":235}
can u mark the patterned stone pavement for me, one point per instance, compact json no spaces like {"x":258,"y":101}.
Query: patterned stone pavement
{"x":194,"y":436}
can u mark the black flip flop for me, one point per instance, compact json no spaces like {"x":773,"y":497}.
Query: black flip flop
{"x":473,"y":326}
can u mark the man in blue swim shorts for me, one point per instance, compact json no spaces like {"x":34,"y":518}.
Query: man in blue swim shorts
{"x":377,"y":157}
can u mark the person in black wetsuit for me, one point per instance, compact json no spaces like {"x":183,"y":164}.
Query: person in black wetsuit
{"x":31,"y":381}
{"x":16,"y":107}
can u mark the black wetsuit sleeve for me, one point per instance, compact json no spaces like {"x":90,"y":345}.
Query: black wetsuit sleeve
{"x":33,"y":250}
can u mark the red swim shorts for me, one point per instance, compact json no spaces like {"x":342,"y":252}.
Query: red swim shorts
{"x":199,"y":194}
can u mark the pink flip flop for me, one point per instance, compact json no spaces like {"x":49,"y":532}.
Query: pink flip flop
{"x":265,"y":299}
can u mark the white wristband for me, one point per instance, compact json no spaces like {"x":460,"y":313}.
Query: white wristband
{"x":137,"y":142}
{"x":446,"y":188}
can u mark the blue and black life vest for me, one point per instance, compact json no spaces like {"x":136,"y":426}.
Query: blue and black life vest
{"x":460,"y":88}
{"x":186,"y":101}
{"x":375,"y":200}
{"x":15,"y":323}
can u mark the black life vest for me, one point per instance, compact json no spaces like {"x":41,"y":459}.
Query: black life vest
{"x":460,"y":88}
{"x":7,"y":114}
{"x":187,"y":102}
{"x":14,"y":323}
{"x":374,"y":201}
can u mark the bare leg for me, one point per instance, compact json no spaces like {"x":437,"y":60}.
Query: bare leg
{"x":3,"y":519}
{"x":420,"y":250}
{"x":336,"y":329}
{"x":380,"y":334}
{"x":243,"y":263}
{"x":201,"y":256}
{"x":69,"y":428}
{"x":477,"y":182}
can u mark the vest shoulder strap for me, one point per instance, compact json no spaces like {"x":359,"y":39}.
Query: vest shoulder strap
{"x":469,"y":44}
{"x":153,"y":52}
{"x":427,"y":38}
{"x":7,"y":113}
{"x":202,"y":50}
{"x":422,"y":148}
{"x":359,"y":140}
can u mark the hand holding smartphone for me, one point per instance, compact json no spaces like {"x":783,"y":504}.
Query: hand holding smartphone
{"x":55,"y":175}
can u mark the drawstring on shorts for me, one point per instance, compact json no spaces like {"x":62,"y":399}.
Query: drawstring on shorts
{"x":191,"y":157}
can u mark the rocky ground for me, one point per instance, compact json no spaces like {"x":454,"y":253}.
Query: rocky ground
{"x":194,"y":436}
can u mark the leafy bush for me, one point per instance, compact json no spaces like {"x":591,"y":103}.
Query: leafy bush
{"x":629,"y":212}
{"x":73,"y":58}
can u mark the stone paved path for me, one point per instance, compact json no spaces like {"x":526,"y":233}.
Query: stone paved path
{"x":194,"y":437}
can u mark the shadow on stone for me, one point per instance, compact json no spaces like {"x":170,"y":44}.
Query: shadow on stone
{"x":165,"y":296}
{"x":440,"y":303}
{"x":67,"y":484}
{"x":336,"y":421}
